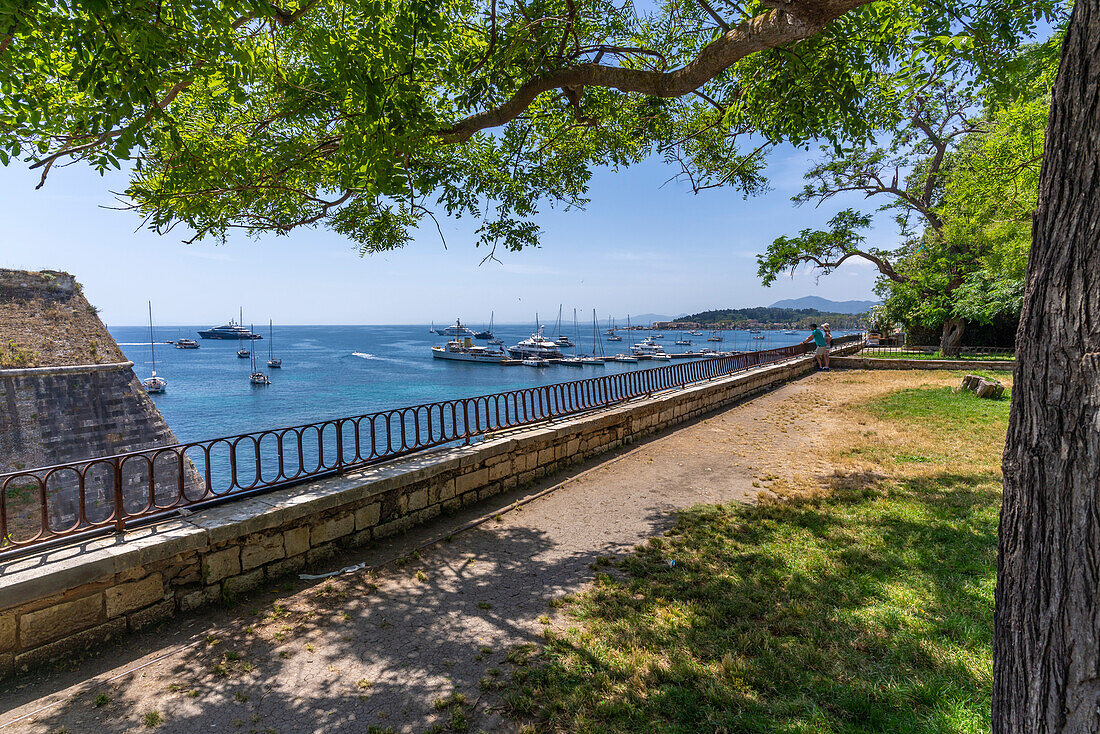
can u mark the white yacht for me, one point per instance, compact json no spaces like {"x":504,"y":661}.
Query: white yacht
{"x":464,"y":350}
{"x":457,"y":330}
{"x":536,"y":362}
{"x":647,"y":348}
{"x":535,"y":346}
{"x":683,"y":342}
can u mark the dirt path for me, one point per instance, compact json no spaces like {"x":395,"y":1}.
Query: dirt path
{"x":392,"y":646}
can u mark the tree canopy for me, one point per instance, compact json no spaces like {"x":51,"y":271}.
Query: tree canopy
{"x":369,"y":116}
{"x":961,"y":176}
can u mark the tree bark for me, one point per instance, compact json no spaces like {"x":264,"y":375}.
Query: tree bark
{"x":1046,"y":652}
{"x":952,"y":336}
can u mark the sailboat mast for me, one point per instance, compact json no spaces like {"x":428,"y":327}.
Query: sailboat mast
{"x":152,"y":350}
{"x":576,"y":334}
{"x":270,"y":340}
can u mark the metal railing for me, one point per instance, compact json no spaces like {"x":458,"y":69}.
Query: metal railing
{"x":934,"y":352}
{"x":80,"y":499}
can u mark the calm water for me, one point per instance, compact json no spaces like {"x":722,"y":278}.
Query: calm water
{"x":334,"y":371}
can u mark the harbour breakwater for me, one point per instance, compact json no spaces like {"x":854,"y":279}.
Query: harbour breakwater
{"x":59,"y":601}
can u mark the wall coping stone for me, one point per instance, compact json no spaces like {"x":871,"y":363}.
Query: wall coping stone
{"x":72,"y":369}
{"x":57,"y":570}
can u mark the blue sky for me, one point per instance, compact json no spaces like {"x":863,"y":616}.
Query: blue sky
{"x":637,"y":248}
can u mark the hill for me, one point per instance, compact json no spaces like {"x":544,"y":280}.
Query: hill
{"x":825,"y":305}
{"x":770,"y":316}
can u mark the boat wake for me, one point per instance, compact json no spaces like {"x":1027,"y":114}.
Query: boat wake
{"x":367,"y":355}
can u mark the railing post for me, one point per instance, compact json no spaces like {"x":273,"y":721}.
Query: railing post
{"x":339,"y":446}
{"x":120,"y":511}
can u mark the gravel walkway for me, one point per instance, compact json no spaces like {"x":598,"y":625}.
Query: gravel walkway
{"x":390,"y":647}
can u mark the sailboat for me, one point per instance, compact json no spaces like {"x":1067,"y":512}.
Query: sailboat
{"x":257,"y":377}
{"x":488,"y":333}
{"x":573,"y":361}
{"x":242,"y":353}
{"x":153,"y":384}
{"x":563,"y":340}
{"x":271,"y":361}
{"x":628,"y":357}
{"x":611,"y":335}
{"x":597,"y":345}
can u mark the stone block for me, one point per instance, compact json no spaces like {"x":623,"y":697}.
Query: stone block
{"x":190,"y":600}
{"x":473,"y":480}
{"x":134,"y":595}
{"x":296,"y":540}
{"x":500,"y":471}
{"x":262,"y":550}
{"x":7,"y":664}
{"x":320,"y":554}
{"x":447,"y":490}
{"x":245,"y":582}
{"x":286,"y":566}
{"x":153,"y":614}
{"x":545,"y":456}
{"x":220,"y":564}
{"x":332,"y":528}
{"x":418,"y":499}
{"x":368,"y":516}
{"x":7,"y":632}
{"x":60,"y":620}
{"x":73,"y":643}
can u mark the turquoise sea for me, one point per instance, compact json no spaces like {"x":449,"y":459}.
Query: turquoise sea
{"x":334,"y":371}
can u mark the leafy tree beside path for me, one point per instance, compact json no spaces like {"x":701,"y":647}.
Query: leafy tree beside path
{"x":368,"y":117}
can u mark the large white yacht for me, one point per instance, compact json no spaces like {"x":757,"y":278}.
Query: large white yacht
{"x":647,"y":348}
{"x":459,"y":329}
{"x":535,"y":346}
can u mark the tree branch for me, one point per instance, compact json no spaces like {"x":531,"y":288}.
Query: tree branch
{"x":766,"y":31}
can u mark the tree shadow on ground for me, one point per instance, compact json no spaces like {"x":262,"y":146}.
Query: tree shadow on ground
{"x":865,"y":608}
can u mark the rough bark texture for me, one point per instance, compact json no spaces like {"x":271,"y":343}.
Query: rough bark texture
{"x":951,"y":338}
{"x":1045,"y":651}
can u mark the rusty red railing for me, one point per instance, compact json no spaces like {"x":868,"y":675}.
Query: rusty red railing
{"x":58,"y":504}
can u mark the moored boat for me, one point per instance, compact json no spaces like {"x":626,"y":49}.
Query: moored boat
{"x":186,"y":344}
{"x":272,"y":362}
{"x":153,"y":384}
{"x":464,"y":350}
{"x":232,"y":330}
{"x":535,"y":346}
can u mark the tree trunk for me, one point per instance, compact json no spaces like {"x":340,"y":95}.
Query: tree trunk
{"x":1046,"y":652}
{"x":952,"y":337}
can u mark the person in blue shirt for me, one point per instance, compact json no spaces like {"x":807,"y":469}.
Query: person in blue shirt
{"x":821,"y":354}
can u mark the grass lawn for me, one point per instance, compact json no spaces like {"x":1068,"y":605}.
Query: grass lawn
{"x":937,"y":355}
{"x":859,"y":602}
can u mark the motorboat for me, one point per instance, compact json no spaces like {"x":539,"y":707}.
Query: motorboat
{"x":683,"y":342}
{"x":614,"y":338}
{"x":657,"y":336}
{"x":570,"y":362}
{"x":464,"y":350}
{"x":591,"y":361}
{"x":232,"y":330}
{"x":790,"y":332}
{"x":694,"y":332}
{"x":564,"y":341}
{"x":624,"y":358}
{"x":662,"y":357}
{"x":457,"y":330}
{"x":488,"y":333}
{"x":535,"y":362}
{"x":646,"y":348}
{"x":243,"y":353}
{"x":535,"y":346}
{"x":153,"y":384}
{"x":186,"y":344}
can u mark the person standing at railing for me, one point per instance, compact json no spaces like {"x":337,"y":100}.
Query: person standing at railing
{"x":828,"y":344}
{"x":821,"y":353}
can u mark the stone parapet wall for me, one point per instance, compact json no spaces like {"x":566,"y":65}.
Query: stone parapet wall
{"x":885,"y":363}
{"x":63,"y":600}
